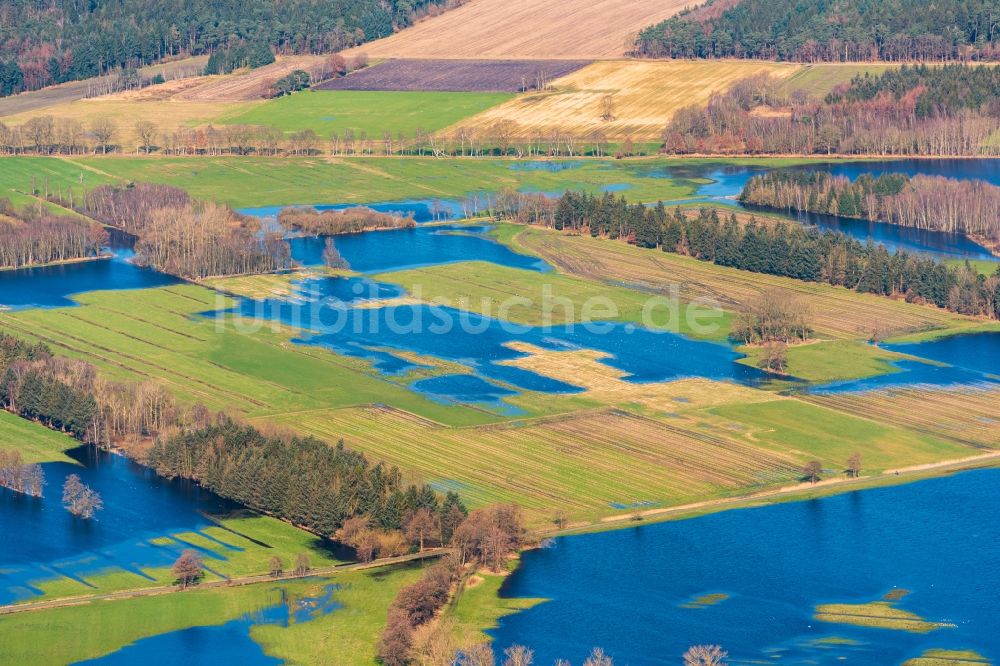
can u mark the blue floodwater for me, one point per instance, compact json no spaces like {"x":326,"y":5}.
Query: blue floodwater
{"x":380,"y":251}
{"x":728,"y":181}
{"x":41,"y":540}
{"x":623,"y":590}
{"x":422,"y":210}
{"x":51,"y":286}
{"x":969,"y":360}
{"x":228,"y":643}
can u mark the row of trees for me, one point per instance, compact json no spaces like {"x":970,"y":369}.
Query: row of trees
{"x":893,"y":30}
{"x":773,"y":246}
{"x":970,"y":207}
{"x":36,"y":236}
{"x":192,"y":239}
{"x":937,"y":112}
{"x":354,"y":220}
{"x":20,"y":477}
{"x":64,"y":40}
{"x":45,"y":135}
{"x":487,"y":537}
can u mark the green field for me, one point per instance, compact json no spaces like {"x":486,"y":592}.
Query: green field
{"x":832,"y":360}
{"x":368,"y":112}
{"x":275,"y":181}
{"x":547,"y":299}
{"x":36,"y":443}
{"x":88,"y":631}
{"x":820,"y":79}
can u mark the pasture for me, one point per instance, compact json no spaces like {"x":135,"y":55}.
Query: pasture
{"x":455,"y":75}
{"x":493,"y":29}
{"x":91,"y":630}
{"x":645,"y":95}
{"x":365,"y":112}
{"x":821,"y":78}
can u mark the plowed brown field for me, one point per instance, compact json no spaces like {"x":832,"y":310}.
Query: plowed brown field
{"x":527,"y":29}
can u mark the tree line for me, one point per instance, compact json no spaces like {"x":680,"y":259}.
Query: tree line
{"x":775,"y":247}
{"x":353,"y":220}
{"x":45,"y":135}
{"x":19,"y":477}
{"x":299,"y":479}
{"x":35,"y":236}
{"x":935,"y":111}
{"x":64,"y":40}
{"x":486,"y":537}
{"x":970,"y":207}
{"x":818,"y":31}
{"x":184,"y":237}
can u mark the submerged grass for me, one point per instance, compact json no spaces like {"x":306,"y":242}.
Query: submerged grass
{"x":877,"y":614}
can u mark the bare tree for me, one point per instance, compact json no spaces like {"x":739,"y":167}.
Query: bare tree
{"x":420,"y":525}
{"x":145,"y":132}
{"x":598,"y":658}
{"x":79,"y":499}
{"x":518,"y":655}
{"x":812,"y":470}
{"x":188,"y":568}
{"x":854,"y":465}
{"x":276,"y":566}
{"x":705,"y":655}
{"x":608,"y":108}
{"x":302,"y":565}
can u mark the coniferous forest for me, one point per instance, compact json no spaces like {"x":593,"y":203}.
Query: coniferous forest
{"x":768,"y":246}
{"x":64,"y":40}
{"x":828,"y":30}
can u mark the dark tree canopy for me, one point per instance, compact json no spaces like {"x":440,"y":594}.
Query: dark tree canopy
{"x":42,"y":43}
{"x":829,"y":30}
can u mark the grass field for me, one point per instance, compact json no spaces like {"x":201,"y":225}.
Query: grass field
{"x":478,"y":607}
{"x":265,"y":181}
{"x":832,"y":360}
{"x":526,"y":29}
{"x":36,"y":443}
{"x":646,"y":94}
{"x":18,"y":176}
{"x":539,"y":299}
{"x":366,"y":112}
{"x":346,"y":636}
{"x":820,"y":79}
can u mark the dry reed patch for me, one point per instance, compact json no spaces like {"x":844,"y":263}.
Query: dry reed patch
{"x":527,"y":29}
{"x":645,"y":93}
{"x":606,"y":384}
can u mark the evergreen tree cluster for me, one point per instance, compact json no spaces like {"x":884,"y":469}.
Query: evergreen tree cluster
{"x":302,"y":480}
{"x":943,"y":90}
{"x":30,"y":388}
{"x":246,"y":54}
{"x":782,"y":248}
{"x":42,"y":43}
{"x":828,"y":30}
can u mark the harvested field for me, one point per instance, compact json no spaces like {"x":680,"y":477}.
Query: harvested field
{"x":645,"y":94}
{"x":583,"y":463}
{"x":456,"y":75}
{"x":239,"y":86}
{"x":965,"y":416}
{"x":527,"y":29}
{"x":834,"y":312}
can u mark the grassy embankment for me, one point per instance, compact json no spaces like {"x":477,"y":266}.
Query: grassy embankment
{"x":346,"y":636}
{"x":36,"y":443}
